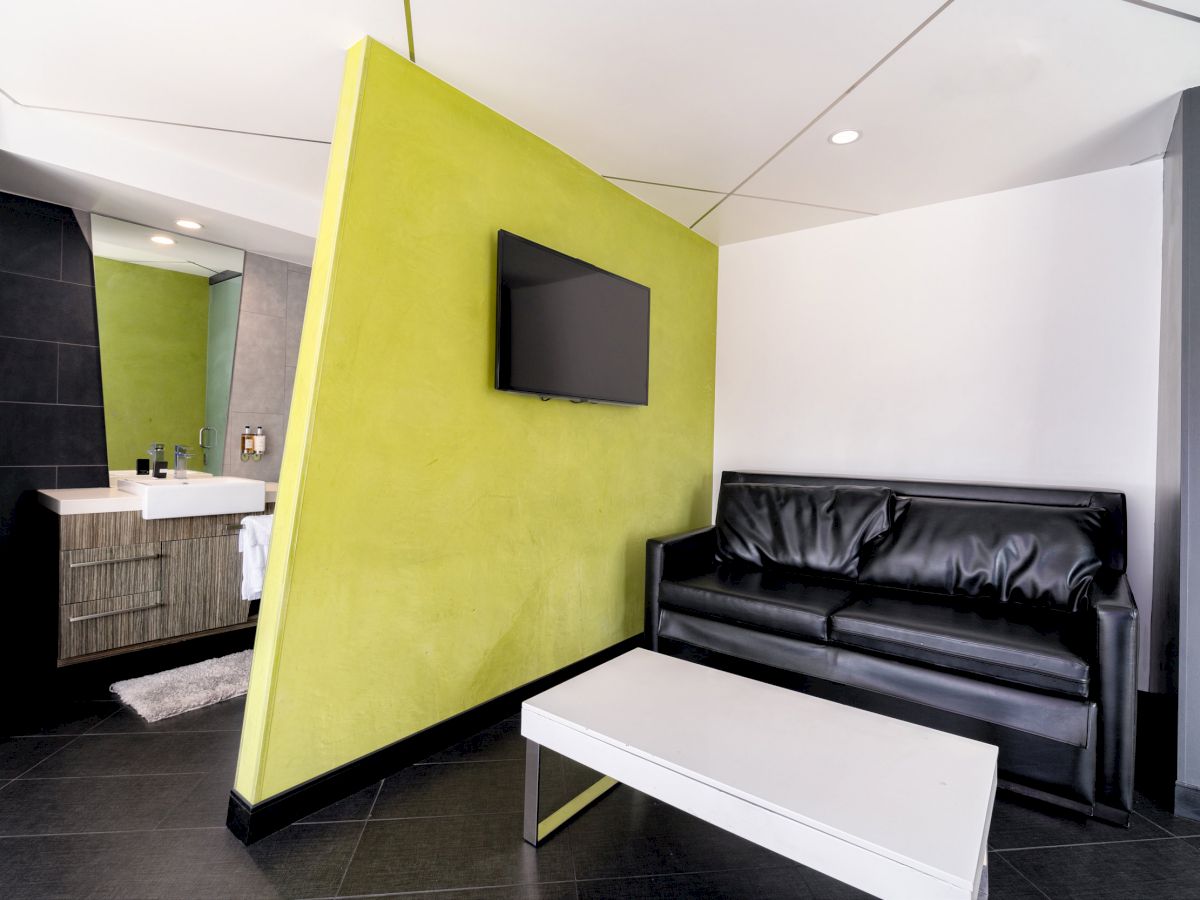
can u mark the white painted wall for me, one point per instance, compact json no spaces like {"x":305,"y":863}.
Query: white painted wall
{"x":1010,"y":338}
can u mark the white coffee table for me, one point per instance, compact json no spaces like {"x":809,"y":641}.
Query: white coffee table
{"x":894,"y":809}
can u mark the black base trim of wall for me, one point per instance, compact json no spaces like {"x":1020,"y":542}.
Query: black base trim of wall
{"x":252,"y":822}
{"x":1187,"y":801}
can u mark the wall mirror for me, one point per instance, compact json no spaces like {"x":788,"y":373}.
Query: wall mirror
{"x":167,"y":308}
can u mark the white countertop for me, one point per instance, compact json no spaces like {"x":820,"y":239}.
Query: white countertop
{"x":83,"y":501}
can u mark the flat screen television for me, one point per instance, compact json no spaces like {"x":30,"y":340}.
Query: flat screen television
{"x":565,"y":328}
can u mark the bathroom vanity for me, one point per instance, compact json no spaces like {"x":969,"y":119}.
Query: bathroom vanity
{"x":127,"y":582}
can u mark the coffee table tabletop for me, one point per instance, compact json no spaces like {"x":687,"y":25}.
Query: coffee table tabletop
{"x":873,"y":801}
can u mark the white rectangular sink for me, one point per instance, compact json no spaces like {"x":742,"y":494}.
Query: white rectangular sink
{"x":173,"y":498}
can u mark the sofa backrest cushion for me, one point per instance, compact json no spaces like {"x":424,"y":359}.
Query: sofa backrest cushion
{"x":818,"y":529}
{"x":1013,"y":552}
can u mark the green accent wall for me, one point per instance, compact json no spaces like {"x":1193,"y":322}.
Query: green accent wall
{"x":153,"y":346}
{"x":225,"y":299}
{"x":437,"y":542}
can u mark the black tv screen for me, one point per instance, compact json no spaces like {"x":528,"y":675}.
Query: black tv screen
{"x":565,"y":328}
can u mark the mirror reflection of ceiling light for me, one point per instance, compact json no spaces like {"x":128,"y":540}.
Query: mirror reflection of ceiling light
{"x":845,"y":137}
{"x":188,"y":224}
{"x":162,"y":239}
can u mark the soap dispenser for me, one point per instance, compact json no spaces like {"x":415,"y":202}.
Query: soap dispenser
{"x":260,"y":443}
{"x":247,"y":444}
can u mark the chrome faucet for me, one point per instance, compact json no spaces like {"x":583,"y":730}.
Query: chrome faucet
{"x":181,"y":458}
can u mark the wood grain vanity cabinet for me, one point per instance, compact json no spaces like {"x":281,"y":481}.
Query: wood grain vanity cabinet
{"x":126,"y":583}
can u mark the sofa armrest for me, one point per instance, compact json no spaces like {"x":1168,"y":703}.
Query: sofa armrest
{"x":679,"y":556}
{"x":1115,"y":687}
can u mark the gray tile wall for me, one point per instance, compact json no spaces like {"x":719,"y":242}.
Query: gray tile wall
{"x":264,"y":362}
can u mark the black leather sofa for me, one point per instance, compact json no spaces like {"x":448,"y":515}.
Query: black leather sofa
{"x":998,"y":613}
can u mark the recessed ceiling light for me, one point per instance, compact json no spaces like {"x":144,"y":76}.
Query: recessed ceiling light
{"x":162,"y":239}
{"x":188,"y":224}
{"x":844,"y":137}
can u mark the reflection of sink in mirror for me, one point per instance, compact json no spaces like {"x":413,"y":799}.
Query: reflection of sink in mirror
{"x":170,"y":498}
{"x":168,"y":316}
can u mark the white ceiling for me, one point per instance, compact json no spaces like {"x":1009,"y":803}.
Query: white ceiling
{"x":716,"y":113}
{"x":127,"y":242}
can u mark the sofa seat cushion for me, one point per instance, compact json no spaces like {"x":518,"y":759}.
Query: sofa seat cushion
{"x":771,"y":599}
{"x":1032,"y":648}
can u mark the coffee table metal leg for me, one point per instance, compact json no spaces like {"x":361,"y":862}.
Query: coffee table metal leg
{"x":536,"y":831}
{"x":533,"y":765}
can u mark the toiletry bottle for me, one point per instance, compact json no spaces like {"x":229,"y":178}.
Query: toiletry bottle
{"x":260,"y":443}
{"x":247,"y":442}
{"x":158,"y":460}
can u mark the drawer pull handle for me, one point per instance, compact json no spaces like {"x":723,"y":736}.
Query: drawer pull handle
{"x":112,"y":612}
{"x":108,"y":562}
{"x":232,"y":527}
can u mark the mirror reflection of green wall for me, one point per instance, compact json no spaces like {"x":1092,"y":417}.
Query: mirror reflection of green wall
{"x":168,"y":325}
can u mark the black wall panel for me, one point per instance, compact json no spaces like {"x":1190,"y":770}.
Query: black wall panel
{"x":51,"y":411}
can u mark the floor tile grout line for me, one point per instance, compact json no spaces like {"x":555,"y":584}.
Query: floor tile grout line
{"x":304,"y":823}
{"x":458,"y":815}
{"x":113,"y":775}
{"x":192,"y":788}
{"x":568,"y":836}
{"x":1155,"y":824}
{"x":489,"y":887}
{"x":156,"y":733}
{"x":783,"y":865}
{"x":46,"y":759}
{"x":433,"y":891}
{"x":50,"y":834}
{"x":1190,"y":840}
{"x":1167,"y":837}
{"x":1022,"y":875}
{"x":358,"y":843}
{"x":105,"y":719}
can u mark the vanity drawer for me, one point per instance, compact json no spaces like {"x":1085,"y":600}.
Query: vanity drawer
{"x":123,"y":529}
{"x":109,"y":623}
{"x":109,"y":572}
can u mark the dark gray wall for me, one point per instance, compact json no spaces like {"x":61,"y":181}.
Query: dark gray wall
{"x":1164,"y":628}
{"x":1182,"y":254}
{"x":51,"y":412}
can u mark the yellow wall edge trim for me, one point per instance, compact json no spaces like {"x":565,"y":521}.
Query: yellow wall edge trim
{"x":260,"y":698}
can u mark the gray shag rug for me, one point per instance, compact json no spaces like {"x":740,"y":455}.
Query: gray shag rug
{"x":181,"y":690}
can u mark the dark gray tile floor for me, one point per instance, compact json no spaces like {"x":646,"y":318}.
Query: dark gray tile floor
{"x":95,"y":803}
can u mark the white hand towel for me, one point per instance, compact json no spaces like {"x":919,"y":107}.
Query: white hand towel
{"x":253,"y":541}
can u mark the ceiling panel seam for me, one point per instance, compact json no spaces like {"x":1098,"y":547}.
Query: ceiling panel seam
{"x":684,"y":187}
{"x":102,"y":115}
{"x":412,"y":44}
{"x":1177,"y":13}
{"x":842,"y":96}
{"x":681,"y":187}
{"x":857,"y":212}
